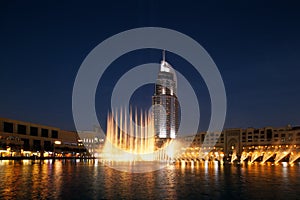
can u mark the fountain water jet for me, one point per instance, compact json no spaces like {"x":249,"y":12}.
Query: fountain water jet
{"x":267,"y":155}
{"x":128,"y":141}
{"x":233,"y":157}
{"x":281,"y":154}
{"x":255,"y":155}
{"x":244,"y":156}
{"x":293,"y":157}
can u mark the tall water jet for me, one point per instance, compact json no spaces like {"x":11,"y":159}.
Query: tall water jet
{"x":128,"y":140}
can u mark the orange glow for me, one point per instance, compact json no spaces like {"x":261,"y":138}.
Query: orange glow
{"x":128,"y":141}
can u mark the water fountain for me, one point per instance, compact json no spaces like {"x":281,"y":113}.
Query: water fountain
{"x":280,"y":154}
{"x":244,"y":156}
{"x":233,"y":157}
{"x":204,"y":155}
{"x":267,"y":155}
{"x":128,"y":141}
{"x":294,"y":156}
{"x":256,"y":154}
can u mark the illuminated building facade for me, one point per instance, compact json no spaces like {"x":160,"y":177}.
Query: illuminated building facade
{"x":165,"y":103}
{"x":19,"y":138}
{"x":92,"y":141}
{"x":250,"y":144}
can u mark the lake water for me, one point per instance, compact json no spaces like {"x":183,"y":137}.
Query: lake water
{"x":70,"y":179}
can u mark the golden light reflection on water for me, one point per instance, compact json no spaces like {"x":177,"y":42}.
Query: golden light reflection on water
{"x":29,"y":179}
{"x":92,"y":180}
{"x":57,"y":179}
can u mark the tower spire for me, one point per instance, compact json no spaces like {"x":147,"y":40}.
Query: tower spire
{"x":164,"y":55}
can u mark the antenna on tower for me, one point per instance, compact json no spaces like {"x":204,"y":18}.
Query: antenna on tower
{"x":164,"y":55}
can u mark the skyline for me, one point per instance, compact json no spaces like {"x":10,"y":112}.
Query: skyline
{"x":254,"y":45}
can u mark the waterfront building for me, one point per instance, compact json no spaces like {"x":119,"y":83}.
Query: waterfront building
{"x":165,"y":104}
{"x":19,"y":138}
{"x":252,"y":144}
{"x":93,"y":141}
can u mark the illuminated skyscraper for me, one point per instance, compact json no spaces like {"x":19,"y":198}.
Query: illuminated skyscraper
{"x":165,"y":103}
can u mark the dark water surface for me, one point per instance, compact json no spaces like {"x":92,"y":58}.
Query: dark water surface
{"x":70,"y":179}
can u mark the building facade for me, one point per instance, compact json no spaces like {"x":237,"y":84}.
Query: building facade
{"x":165,"y":103}
{"x":252,"y":144}
{"x":19,"y":138}
{"x":93,"y":141}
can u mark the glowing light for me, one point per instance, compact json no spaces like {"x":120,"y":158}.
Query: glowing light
{"x":280,"y":155}
{"x":173,"y":135}
{"x":164,"y":67}
{"x":57,"y":142}
{"x":233,"y":157}
{"x":294,"y":156}
{"x":128,"y":141}
{"x":46,"y":154}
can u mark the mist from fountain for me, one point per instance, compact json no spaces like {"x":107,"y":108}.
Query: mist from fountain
{"x":244,"y":156}
{"x":280,"y":154}
{"x":256,"y":154}
{"x":126,"y":140}
{"x":294,"y":156}
{"x":267,"y":155}
{"x":204,"y":155}
{"x":233,"y":157}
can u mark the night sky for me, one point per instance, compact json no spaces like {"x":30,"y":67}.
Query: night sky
{"x":255,"y":45}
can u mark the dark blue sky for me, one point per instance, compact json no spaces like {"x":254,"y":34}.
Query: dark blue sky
{"x":255,"y":45}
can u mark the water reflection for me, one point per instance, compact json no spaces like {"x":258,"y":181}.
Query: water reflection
{"x":73,"y":179}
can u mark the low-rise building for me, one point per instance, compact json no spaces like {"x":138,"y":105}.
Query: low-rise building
{"x":249,"y":143}
{"x":19,"y":138}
